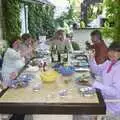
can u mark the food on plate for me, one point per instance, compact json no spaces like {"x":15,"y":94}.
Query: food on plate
{"x":87,"y":91}
{"x":83,"y":78}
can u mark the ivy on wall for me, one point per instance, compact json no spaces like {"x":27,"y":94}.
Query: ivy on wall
{"x":11,"y":16}
{"x":41,"y":20}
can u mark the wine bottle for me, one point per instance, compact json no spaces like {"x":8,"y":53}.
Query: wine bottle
{"x":54,"y":54}
{"x":64,"y":55}
{"x":52,"y":50}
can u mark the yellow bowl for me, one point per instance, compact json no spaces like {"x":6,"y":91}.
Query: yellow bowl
{"x":49,"y":76}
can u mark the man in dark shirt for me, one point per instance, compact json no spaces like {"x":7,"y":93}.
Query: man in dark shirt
{"x":99,"y":47}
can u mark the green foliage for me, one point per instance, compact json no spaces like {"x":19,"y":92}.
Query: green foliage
{"x":82,"y":24}
{"x":99,"y":8}
{"x":93,"y":11}
{"x":107,"y":30}
{"x":113,"y":15}
{"x":65,"y":17}
{"x":90,"y":13}
{"x":11,"y":14}
{"x":68,"y":18}
{"x":75,"y":45}
{"x":41,"y":20}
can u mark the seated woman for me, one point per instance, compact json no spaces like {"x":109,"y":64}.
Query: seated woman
{"x":27,"y":46}
{"x":110,"y":72}
{"x":12,"y":64}
{"x":61,"y":41}
{"x":16,"y":44}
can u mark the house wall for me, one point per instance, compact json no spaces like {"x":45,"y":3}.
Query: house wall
{"x":83,"y":35}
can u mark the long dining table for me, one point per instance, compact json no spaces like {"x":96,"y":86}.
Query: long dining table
{"x":47,"y":100}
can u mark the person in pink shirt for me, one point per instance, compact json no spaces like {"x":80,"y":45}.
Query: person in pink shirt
{"x":110,"y":74}
{"x":109,"y":85}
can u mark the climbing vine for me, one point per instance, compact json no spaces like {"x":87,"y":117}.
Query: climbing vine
{"x":112,"y":26}
{"x":41,"y":20}
{"x":11,"y":16}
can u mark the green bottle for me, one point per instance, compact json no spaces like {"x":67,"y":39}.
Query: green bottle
{"x":54,"y":53}
{"x":64,"y":55}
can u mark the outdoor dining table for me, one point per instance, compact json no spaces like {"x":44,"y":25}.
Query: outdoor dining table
{"x":48,"y":101}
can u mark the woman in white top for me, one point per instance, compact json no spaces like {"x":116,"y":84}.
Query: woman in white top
{"x":13,"y":62}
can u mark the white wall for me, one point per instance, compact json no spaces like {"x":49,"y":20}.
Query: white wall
{"x":82,"y":35}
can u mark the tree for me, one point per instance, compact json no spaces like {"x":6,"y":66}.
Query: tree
{"x":112,"y":29}
{"x":68,"y":18}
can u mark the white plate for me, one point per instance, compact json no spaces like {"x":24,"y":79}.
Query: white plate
{"x":32,"y":69}
{"x":82,"y":69}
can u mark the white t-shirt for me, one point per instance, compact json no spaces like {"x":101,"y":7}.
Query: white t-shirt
{"x":12,"y":62}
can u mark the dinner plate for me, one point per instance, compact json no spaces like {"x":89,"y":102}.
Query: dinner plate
{"x":32,"y":69}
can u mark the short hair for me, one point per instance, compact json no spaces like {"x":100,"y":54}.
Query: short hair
{"x":14,"y":40}
{"x":114,"y":46}
{"x":26,"y":36}
{"x":59,"y":33}
{"x":98,"y":33}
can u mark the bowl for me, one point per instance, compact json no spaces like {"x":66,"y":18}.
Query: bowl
{"x":49,"y":76}
{"x":67,"y":70}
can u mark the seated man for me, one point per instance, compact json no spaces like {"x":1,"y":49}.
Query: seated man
{"x":99,"y":47}
{"x":60,"y":40}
